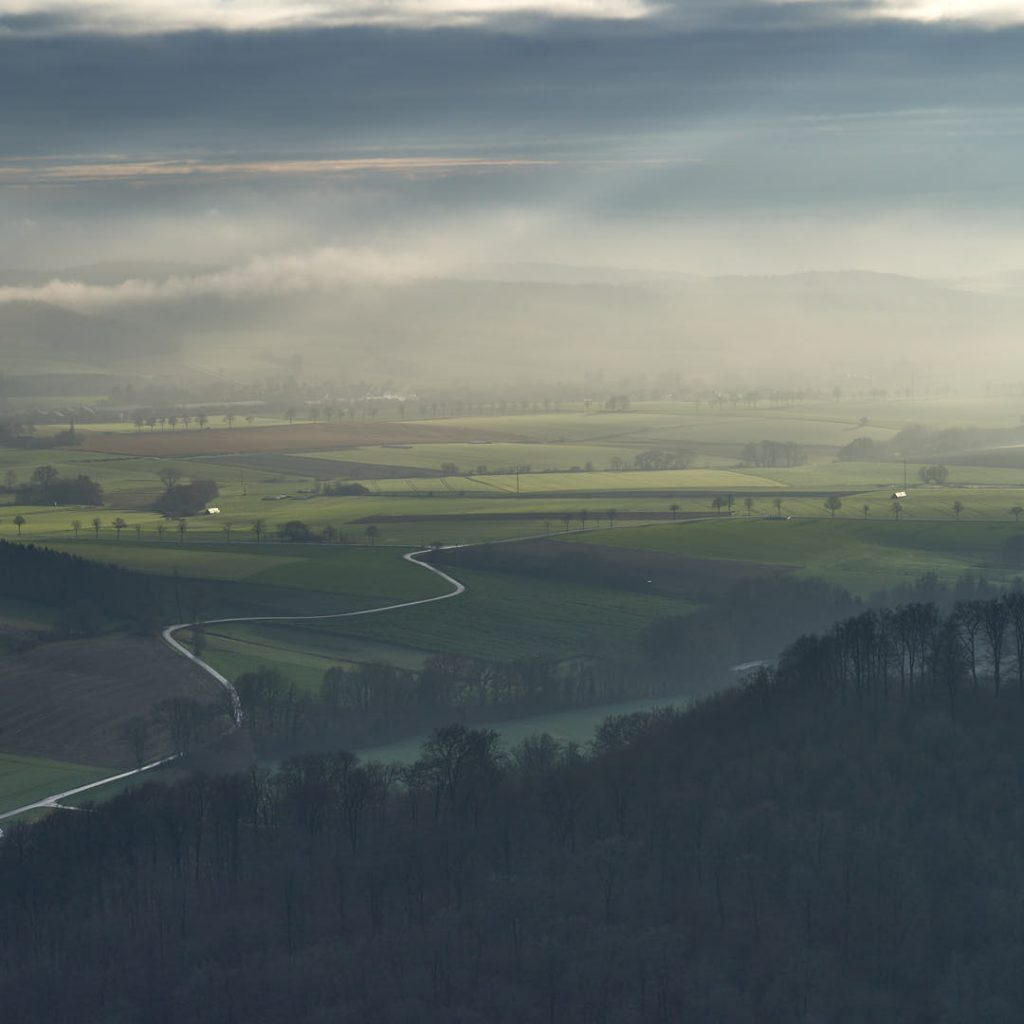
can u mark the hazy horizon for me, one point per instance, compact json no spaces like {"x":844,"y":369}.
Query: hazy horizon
{"x":343,"y":161}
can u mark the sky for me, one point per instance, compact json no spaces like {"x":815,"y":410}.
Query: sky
{"x":383,"y":138}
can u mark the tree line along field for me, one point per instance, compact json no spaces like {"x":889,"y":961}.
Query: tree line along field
{"x":415,"y":518}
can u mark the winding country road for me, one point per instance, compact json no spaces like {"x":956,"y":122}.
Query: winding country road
{"x":415,"y":557}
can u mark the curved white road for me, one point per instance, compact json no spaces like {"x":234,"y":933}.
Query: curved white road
{"x":236,"y":705}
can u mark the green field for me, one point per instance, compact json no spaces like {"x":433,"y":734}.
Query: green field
{"x":302,"y":655}
{"x":831,"y":474}
{"x":126,"y":426}
{"x":861,"y":555}
{"x":635,"y":480}
{"x":270,"y":579}
{"x":680,"y":423}
{"x":500,"y":617}
{"x":504,"y":617}
{"x":23,"y":780}
{"x":495,"y":455}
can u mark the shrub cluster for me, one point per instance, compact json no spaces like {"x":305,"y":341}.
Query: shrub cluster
{"x":186,"y":499}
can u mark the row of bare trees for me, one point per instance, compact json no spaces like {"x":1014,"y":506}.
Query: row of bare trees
{"x":896,"y":653}
{"x":374,"y":702}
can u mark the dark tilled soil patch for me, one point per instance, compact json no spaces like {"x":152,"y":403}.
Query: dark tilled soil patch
{"x":69,"y":701}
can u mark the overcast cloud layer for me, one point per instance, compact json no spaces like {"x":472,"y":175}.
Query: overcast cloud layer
{"x":151,"y":17}
{"x":700,"y":136}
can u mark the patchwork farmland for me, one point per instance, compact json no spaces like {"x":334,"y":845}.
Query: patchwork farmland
{"x":658,"y":543}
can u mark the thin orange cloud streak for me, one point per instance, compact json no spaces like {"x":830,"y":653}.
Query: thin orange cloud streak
{"x":142,"y":171}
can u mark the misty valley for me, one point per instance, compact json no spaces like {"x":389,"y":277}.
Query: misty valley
{"x":511,"y":512}
{"x":393,"y":667}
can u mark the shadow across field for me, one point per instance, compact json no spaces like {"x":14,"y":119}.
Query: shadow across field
{"x":692,"y":578}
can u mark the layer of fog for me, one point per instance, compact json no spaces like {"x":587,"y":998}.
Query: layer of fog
{"x":360,"y":315}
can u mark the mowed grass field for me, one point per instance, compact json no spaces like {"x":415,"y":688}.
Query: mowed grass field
{"x":296,"y":437}
{"x":504,"y":617}
{"x":890,"y":413}
{"x":635,"y":480}
{"x":862,"y":555}
{"x":370,"y":575}
{"x":24,"y":780}
{"x":300,"y":655}
{"x":495,"y":456}
{"x":499,"y":617}
{"x":686,"y":423}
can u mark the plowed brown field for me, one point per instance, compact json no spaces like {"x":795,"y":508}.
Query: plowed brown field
{"x":69,"y":701}
{"x":299,"y":437}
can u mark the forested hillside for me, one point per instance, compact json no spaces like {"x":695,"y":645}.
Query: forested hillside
{"x":837,"y":840}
